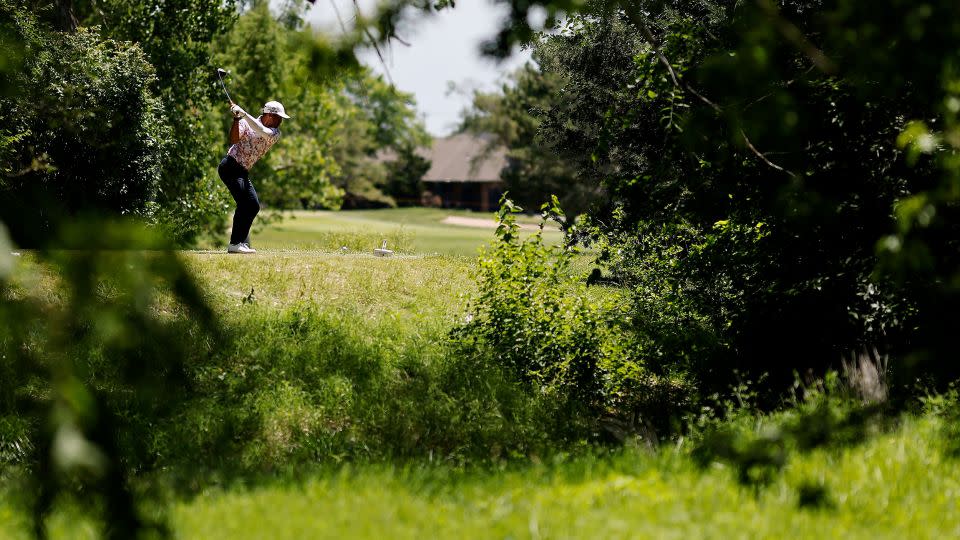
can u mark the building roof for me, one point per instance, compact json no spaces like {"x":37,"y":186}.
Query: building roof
{"x":465,"y":158}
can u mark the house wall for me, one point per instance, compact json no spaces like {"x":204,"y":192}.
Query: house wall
{"x":480,"y":196}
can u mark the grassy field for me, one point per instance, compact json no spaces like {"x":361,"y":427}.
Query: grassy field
{"x":410,"y":230}
{"x":885,"y":489}
{"x":357,"y":424}
{"x":895,"y":486}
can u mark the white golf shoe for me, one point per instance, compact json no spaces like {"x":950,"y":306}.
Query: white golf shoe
{"x":240,"y":248}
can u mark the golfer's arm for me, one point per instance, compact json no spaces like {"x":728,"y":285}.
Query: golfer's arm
{"x":235,"y":131}
{"x":258,"y":128}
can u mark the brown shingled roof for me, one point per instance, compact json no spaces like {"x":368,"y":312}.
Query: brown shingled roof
{"x":464,"y":158}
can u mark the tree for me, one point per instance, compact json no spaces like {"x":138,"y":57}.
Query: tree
{"x":513,"y":115}
{"x":175,"y":36}
{"x":87,"y":132}
{"x":750,"y":174}
{"x":377,"y":120}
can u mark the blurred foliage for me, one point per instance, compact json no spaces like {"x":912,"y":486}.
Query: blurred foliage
{"x":759,"y":446}
{"x":81,"y":371}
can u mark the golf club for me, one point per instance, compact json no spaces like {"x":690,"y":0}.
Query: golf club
{"x":220,"y":73}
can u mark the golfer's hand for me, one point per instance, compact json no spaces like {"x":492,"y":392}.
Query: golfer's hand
{"x":237,"y":111}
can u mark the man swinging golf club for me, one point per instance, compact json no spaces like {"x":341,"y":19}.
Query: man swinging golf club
{"x":250,"y":138}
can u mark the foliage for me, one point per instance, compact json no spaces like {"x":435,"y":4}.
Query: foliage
{"x":77,"y":111}
{"x":12,"y":55}
{"x":775,"y":252}
{"x":405,"y":176}
{"x":81,"y":370}
{"x":377,"y":138}
{"x":176,"y":37}
{"x":531,"y":316}
{"x":759,"y":446}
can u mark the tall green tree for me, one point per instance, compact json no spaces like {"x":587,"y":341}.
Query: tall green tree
{"x":378,"y":120}
{"x":175,"y":40}
{"x":176,"y":37}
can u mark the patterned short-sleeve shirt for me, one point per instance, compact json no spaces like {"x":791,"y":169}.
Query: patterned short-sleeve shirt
{"x":252,"y":145}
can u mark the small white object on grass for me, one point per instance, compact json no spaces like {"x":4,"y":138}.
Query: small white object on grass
{"x":382,"y":251}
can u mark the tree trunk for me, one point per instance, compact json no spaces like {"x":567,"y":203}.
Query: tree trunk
{"x":67,"y":20}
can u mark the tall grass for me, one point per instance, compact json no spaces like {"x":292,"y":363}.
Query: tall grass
{"x":326,"y":359}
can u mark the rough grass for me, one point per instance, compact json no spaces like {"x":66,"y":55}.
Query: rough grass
{"x":884,"y":489}
{"x":419,"y":293}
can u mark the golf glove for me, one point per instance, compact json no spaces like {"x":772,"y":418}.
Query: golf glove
{"x":237,"y":111}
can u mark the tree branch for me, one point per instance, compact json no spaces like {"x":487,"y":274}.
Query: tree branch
{"x":68,"y":21}
{"x":373,"y":42}
{"x":639,"y":20}
{"x":651,"y":40}
{"x":763,"y":157}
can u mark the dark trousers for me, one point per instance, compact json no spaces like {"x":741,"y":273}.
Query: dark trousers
{"x":237,"y":180}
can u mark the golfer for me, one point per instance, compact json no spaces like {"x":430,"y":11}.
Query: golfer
{"x":250,"y":138}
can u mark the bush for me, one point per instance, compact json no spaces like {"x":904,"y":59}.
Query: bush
{"x":534,"y":317}
{"x":91,"y":136}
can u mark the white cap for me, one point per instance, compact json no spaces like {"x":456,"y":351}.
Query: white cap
{"x":274,"y":107}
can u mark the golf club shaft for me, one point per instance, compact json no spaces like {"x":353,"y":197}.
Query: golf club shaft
{"x":224,"y":88}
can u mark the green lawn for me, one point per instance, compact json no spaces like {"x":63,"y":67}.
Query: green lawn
{"x":412,"y":230}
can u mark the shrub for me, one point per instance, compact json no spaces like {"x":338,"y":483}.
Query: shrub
{"x":91,"y":136}
{"x":536,"y":318}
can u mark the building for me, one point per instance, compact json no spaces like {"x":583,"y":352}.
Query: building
{"x":464,"y":173}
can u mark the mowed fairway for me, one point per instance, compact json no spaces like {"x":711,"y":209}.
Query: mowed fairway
{"x":411,"y":230}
